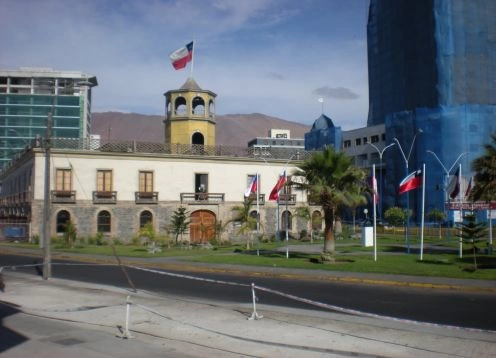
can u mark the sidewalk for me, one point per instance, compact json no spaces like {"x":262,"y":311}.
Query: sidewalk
{"x":61,"y":318}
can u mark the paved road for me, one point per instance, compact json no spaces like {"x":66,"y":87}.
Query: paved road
{"x":465,"y":308}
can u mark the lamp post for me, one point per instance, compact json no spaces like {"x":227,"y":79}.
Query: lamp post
{"x":407,"y":158}
{"x":47,"y":262}
{"x":287,"y":199}
{"x":381,"y":152}
{"x":446,"y":176}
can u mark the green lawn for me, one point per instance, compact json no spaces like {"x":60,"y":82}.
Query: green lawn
{"x":351,"y":256}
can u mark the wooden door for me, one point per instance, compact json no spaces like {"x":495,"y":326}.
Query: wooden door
{"x":202,"y":226}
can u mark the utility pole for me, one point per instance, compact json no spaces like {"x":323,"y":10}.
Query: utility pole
{"x":47,"y":261}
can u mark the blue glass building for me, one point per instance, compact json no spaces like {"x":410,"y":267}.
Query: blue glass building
{"x":322,"y":134}
{"x":432,"y":76}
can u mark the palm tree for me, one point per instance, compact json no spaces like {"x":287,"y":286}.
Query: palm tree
{"x":247,"y":222}
{"x":354,"y":198}
{"x":328,"y":177}
{"x":485,"y":174}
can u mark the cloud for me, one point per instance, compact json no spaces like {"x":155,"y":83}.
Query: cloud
{"x":336,"y":93}
{"x":276,"y":76}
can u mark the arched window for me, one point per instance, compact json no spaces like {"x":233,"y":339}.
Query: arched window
{"x":145,"y":218}
{"x":63,"y":217}
{"x":211,"y":108}
{"x":104,"y":221}
{"x":198,"y":106}
{"x":287,"y":221}
{"x":180,"y":106}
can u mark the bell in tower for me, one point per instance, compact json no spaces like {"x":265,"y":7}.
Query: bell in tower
{"x":190,"y":115}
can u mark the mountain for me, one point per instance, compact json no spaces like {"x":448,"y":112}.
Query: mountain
{"x":231,"y":129}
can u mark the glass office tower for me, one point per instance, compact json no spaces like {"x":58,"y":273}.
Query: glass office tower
{"x":27,"y":95}
{"x":432,"y":73}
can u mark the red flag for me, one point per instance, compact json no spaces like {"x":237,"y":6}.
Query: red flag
{"x":253,"y":187}
{"x":412,"y":181}
{"x":374,"y":190}
{"x":274,"y":194}
{"x":182,"y":56}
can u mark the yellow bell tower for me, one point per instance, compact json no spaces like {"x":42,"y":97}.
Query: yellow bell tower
{"x":190,"y":115}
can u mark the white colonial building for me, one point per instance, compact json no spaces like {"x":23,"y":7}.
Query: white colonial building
{"x":115,"y":188}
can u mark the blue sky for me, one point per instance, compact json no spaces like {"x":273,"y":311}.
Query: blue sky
{"x":275,"y":57}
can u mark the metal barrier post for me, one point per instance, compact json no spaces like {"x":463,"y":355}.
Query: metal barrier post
{"x":254,"y":315}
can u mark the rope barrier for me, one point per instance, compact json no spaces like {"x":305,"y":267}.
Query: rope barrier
{"x":254,"y":287}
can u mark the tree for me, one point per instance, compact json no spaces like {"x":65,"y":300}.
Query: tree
{"x":179,"y":222}
{"x":328,"y":177}
{"x":248,"y":223}
{"x":437,"y":216}
{"x":355,"y":198}
{"x":395,"y":216}
{"x":485,"y":174}
{"x":472,"y":232}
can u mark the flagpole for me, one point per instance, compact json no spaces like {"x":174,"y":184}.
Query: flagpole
{"x":192,"y":60}
{"x":461,"y":213}
{"x":258,"y":215}
{"x":422,"y":213}
{"x":374,"y":185}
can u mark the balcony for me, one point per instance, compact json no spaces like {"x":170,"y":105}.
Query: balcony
{"x":146,"y":197}
{"x":253,"y":198}
{"x":287,"y":199}
{"x":104,"y":197}
{"x":63,"y":196}
{"x":202,"y":198}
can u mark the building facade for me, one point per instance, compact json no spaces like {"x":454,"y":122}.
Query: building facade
{"x":432,"y":83}
{"x":116,"y":192}
{"x":27,"y":95}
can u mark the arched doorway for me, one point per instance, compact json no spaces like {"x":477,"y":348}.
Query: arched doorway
{"x":202,"y":226}
{"x":197,"y":138}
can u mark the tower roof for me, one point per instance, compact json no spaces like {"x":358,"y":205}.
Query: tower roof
{"x":323,"y":122}
{"x":190,"y":85}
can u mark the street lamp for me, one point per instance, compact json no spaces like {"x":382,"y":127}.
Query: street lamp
{"x":287,"y":199}
{"x":407,"y":158}
{"x":446,"y":176}
{"x":381,"y":152}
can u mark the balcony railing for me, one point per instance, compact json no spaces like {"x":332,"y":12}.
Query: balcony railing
{"x":289,"y":199}
{"x":104,"y":197}
{"x":63,"y":196}
{"x":253,"y":198}
{"x":146,"y":197}
{"x":202,"y":198}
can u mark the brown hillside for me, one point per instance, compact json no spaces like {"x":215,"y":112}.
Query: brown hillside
{"x":231,"y":129}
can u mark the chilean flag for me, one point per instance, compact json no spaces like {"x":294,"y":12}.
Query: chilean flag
{"x":252,"y":189}
{"x":182,"y":56}
{"x":412,"y":181}
{"x":274,"y":194}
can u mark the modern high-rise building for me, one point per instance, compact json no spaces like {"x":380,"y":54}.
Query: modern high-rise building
{"x":432,"y":83}
{"x":27,"y":95}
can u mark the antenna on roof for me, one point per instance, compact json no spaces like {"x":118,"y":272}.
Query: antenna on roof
{"x":321,"y":100}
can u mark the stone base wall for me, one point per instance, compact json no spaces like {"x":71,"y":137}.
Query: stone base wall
{"x":125,"y":218}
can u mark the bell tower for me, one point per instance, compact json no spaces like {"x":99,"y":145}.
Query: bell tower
{"x":190,"y":115}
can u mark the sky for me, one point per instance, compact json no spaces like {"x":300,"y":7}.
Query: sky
{"x":275,"y":57}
